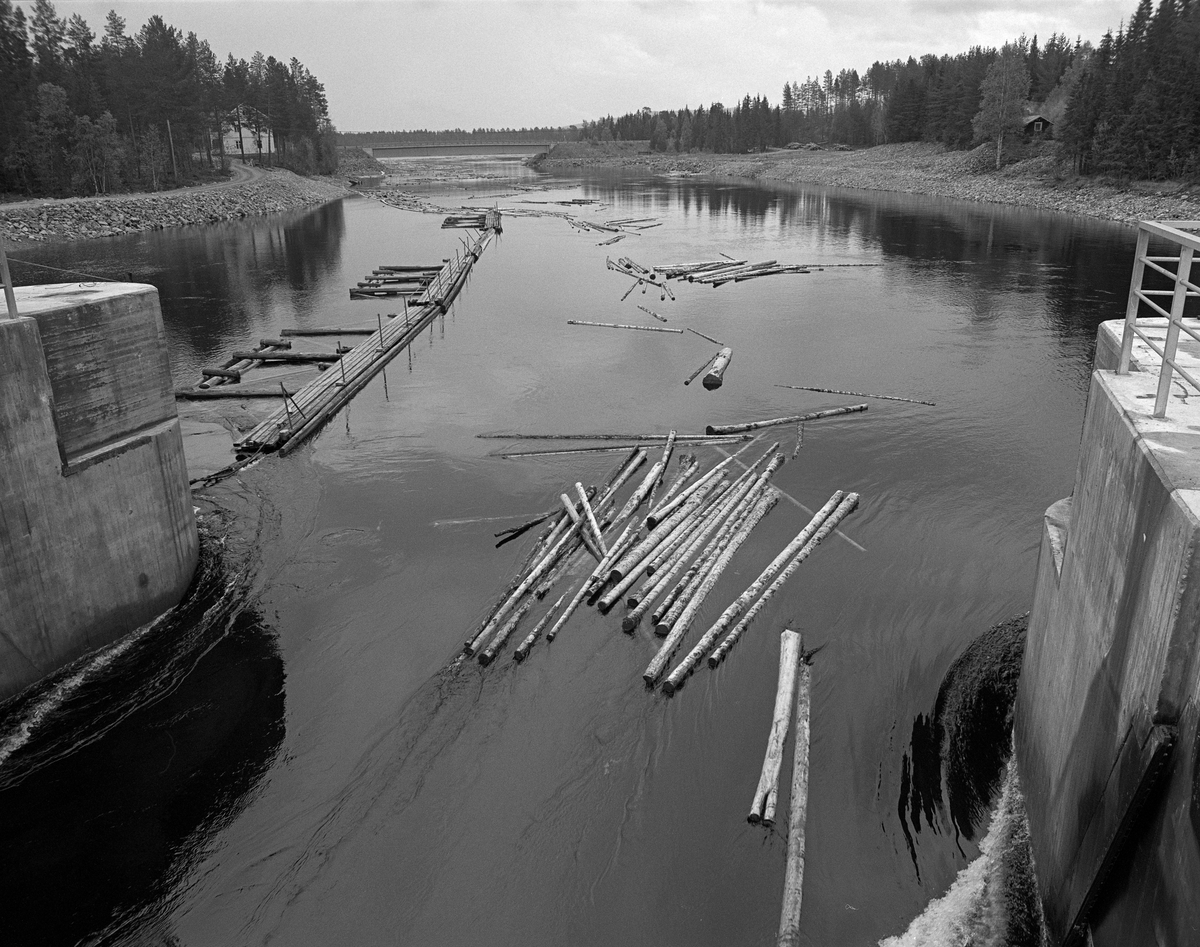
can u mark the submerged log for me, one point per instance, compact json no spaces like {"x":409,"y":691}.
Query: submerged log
{"x":716,"y":374}
{"x":716,"y":429}
{"x":793,"y":881}
{"x":762,"y":808}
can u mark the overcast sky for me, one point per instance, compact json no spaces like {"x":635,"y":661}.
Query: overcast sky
{"x":400,"y":65}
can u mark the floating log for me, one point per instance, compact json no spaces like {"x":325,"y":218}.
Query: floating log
{"x":584,"y":587}
{"x":772,"y":422}
{"x":591,"y":518}
{"x":666,"y":459}
{"x":330,"y":330}
{"x":626,"y":571}
{"x":578,"y":520}
{"x":857,"y":394}
{"x":849,"y":502}
{"x":640,"y":493}
{"x":685,"y":438}
{"x":799,"y":440}
{"x":653,"y":313}
{"x":738,"y":605}
{"x":617,"y":325}
{"x":668,"y":507}
{"x":793,"y":882}
{"x":762,"y":808}
{"x":523,"y":648}
{"x":508,"y":455}
{"x":682,"y":476}
{"x":692,"y":377}
{"x":488,"y":654}
{"x":295,"y":358}
{"x":230,"y":373}
{"x":703,"y":336}
{"x":275,"y":343}
{"x":658,"y":664}
{"x":716,"y":374}
{"x":413,"y":267}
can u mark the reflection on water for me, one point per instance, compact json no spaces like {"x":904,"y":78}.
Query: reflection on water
{"x":556,"y":801}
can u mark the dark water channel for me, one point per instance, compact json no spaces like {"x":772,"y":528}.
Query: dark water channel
{"x":303,"y":771}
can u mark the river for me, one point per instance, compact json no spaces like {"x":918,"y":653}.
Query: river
{"x":300,"y":767}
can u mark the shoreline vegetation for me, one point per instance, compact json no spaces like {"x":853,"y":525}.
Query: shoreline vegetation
{"x":928,"y":169}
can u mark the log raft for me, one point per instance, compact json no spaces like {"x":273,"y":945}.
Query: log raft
{"x":326,"y":395}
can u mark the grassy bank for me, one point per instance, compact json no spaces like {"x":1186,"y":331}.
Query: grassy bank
{"x":913,"y":168}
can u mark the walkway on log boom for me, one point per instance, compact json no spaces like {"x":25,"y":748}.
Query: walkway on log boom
{"x":303,"y":414}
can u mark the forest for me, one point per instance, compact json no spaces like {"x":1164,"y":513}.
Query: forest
{"x":141,"y":111}
{"x":1128,"y":108}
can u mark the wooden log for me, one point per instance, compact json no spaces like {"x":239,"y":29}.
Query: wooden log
{"x":659,"y":662}
{"x":857,"y":394}
{"x":617,"y":325}
{"x":275,"y":343}
{"x":692,"y":377}
{"x":601,"y":436}
{"x":799,"y":440}
{"x":523,"y":648}
{"x":739,"y":604}
{"x":703,"y":336}
{"x":488,"y":654}
{"x":666,"y":459}
{"x":329,"y":330}
{"x":591,"y":518}
{"x":762,"y":807}
{"x":849,"y":502}
{"x":666,"y":508}
{"x":625,"y":572}
{"x":578,"y":521}
{"x":230,"y":373}
{"x":716,"y":374}
{"x":793,"y":419}
{"x":201,"y":394}
{"x":690,"y":544}
{"x":289,"y":357}
{"x":793,"y":881}
{"x":586,"y":584}
{"x":682,"y":476}
{"x":640,"y":494}
{"x":509,"y":455}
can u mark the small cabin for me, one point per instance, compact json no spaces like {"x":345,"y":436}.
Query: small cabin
{"x":1038,"y":126}
{"x":246,"y":134}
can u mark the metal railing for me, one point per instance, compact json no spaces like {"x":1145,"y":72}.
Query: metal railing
{"x":1181,"y":289}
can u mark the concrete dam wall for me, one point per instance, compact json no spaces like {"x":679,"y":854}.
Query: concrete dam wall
{"x":97,"y":530}
{"x":1106,"y":717}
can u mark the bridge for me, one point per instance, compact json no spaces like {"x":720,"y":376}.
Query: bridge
{"x":435,"y":149}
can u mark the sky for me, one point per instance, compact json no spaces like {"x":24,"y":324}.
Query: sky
{"x":389,"y":65}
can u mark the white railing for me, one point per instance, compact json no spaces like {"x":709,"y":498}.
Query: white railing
{"x":1186,"y":244}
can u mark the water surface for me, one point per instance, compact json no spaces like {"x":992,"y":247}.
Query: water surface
{"x":383,"y":799}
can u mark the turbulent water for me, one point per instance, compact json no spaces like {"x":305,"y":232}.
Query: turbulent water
{"x":293,"y":758}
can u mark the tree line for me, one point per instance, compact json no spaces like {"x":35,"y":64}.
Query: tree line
{"x":422,"y":136}
{"x":1129,"y":107}
{"x":141,"y":111}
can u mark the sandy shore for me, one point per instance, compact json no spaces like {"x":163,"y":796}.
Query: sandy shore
{"x":912,"y":168}
{"x":252,"y":192}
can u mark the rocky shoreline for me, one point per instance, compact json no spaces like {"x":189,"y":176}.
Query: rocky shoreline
{"x":911,"y":168}
{"x":83,"y":217}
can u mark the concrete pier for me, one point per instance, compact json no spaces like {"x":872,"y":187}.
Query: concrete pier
{"x":97,"y":530}
{"x":1106,"y":718}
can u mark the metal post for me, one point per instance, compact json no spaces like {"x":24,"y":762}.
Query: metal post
{"x":1182,"y":275}
{"x":1131,"y":307}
